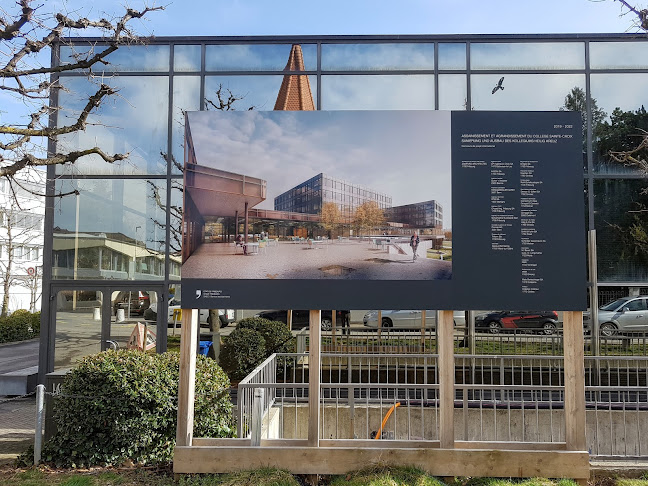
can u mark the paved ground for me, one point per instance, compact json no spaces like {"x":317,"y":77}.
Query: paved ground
{"x":17,"y":426}
{"x":351,"y":260}
{"x":16,"y":356}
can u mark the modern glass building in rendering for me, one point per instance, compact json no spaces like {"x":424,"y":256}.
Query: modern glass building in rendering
{"x":120,"y":236}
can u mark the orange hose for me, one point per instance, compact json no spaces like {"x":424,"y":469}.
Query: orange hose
{"x":387,"y":415}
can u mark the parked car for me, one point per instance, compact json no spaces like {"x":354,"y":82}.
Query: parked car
{"x":408,"y":319}
{"x":543,"y":322}
{"x":300,"y":318}
{"x":226,"y":316}
{"x":625,"y":315}
{"x":135,"y":300}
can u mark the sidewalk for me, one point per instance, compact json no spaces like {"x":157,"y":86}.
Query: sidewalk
{"x":17,"y":426}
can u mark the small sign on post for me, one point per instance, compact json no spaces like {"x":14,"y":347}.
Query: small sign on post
{"x":142,"y":338}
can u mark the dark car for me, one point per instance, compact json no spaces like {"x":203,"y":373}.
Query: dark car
{"x":300,"y":318}
{"x":137,"y":301}
{"x":543,"y":322}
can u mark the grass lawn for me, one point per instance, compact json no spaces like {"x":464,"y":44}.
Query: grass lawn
{"x":373,"y":476}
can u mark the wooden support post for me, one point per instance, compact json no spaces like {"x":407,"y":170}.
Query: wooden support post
{"x":187,"y":378}
{"x":446,"y":369}
{"x":315,"y":319}
{"x":423,"y":317}
{"x":574,"y":381}
{"x":289,"y":319}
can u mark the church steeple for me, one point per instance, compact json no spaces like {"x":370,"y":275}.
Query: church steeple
{"x":295,"y":92}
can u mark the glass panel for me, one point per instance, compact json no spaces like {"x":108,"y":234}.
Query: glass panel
{"x":134,"y":122}
{"x":175,"y":231}
{"x":371,"y":57}
{"x":186,"y":97}
{"x":134,"y":314}
{"x":621,"y":98}
{"x":522,"y":92}
{"x":452,"y":92}
{"x":114,"y":229}
{"x":379,"y":92}
{"x":256,"y":92}
{"x":452,"y":56}
{"x":531,"y":55}
{"x":186,"y":58}
{"x":618,"y":55}
{"x":621,"y":229}
{"x":145,"y":58}
{"x":256,"y":57}
{"x":78,"y":326}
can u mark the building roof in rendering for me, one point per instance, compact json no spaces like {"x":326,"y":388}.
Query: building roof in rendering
{"x":295,"y":92}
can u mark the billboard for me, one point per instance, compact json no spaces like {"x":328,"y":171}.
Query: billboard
{"x":383,"y":209}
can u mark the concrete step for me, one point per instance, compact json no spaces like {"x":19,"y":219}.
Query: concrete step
{"x":19,"y":382}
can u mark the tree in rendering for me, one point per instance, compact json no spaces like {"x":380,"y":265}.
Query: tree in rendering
{"x":368,"y":216}
{"x":27,"y":36}
{"x":330,"y":216}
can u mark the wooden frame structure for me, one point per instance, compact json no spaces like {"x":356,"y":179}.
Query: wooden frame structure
{"x":445,"y":457}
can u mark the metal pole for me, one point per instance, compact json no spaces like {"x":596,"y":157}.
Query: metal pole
{"x":257,"y":418}
{"x":594,"y":304}
{"x":38,"y":437}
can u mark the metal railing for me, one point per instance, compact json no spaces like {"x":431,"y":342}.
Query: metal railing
{"x":515,"y":342}
{"x":497,"y":398}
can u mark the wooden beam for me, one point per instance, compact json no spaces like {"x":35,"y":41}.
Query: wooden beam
{"x":187,"y":377}
{"x":314,"y":320}
{"x":342,"y":460}
{"x":445,"y":345}
{"x":289,"y":319}
{"x":574,"y":381}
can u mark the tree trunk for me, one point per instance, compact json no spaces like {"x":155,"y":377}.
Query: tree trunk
{"x":214,"y":320}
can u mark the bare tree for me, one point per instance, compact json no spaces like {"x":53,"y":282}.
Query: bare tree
{"x":26,"y":35}
{"x":640,"y":14}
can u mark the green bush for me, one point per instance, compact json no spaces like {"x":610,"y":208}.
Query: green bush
{"x":121,"y":405}
{"x":277,"y":335}
{"x":19,"y":326}
{"x":243,"y":350}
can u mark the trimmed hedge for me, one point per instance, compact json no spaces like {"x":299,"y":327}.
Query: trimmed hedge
{"x":122,"y":405}
{"x":19,"y":326}
{"x":253,"y":340}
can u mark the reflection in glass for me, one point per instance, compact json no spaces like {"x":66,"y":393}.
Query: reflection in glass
{"x":114,"y":229}
{"x":186,"y":97}
{"x":371,"y":57}
{"x":78,"y":326}
{"x":452,"y":56}
{"x":452,"y":92}
{"x":133,"y":316}
{"x":622,"y":97}
{"x":618,"y":55}
{"x":523,"y":92}
{"x":257,"y":92}
{"x":175,"y":230}
{"x":379,"y":92}
{"x":528,"y":55}
{"x":186,"y":58}
{"x":251,"y":57}
{"x":144,"y":58}
{"x":621,"y":229}
{"x":134,"y":122}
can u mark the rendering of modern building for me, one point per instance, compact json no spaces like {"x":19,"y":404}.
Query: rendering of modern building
{"x":311,"y":195}
{"x":141,"y":199}
{"x":426,"y":214}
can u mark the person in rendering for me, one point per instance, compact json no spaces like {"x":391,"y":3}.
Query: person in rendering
{"x":414,"y":243}
{"x":239,"y":242}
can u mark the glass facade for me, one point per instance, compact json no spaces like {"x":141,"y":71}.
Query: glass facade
{"x":125,"y":222}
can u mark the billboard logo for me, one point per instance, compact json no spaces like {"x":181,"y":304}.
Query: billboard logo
{"x":198,"y":294}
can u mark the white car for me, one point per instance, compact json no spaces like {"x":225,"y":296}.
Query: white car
{"x":226,"y":315}
{"x":408,"y":319}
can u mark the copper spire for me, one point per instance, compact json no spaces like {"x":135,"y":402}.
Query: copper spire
{"x":295,"y":92}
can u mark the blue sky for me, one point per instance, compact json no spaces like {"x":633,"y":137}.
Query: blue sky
{"x":284,"y":17}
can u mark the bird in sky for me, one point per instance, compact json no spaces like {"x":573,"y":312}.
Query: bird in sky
{"x":498,"y":86}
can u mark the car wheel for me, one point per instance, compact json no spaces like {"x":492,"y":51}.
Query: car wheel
{"x":387,"y":322}
{"x":494,"y":327}
{"x":607,"y":329}
{"x":327,"y":325}
{"x":548,"y":328}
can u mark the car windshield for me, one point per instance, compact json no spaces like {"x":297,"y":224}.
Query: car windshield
{"x":614,"y":305}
